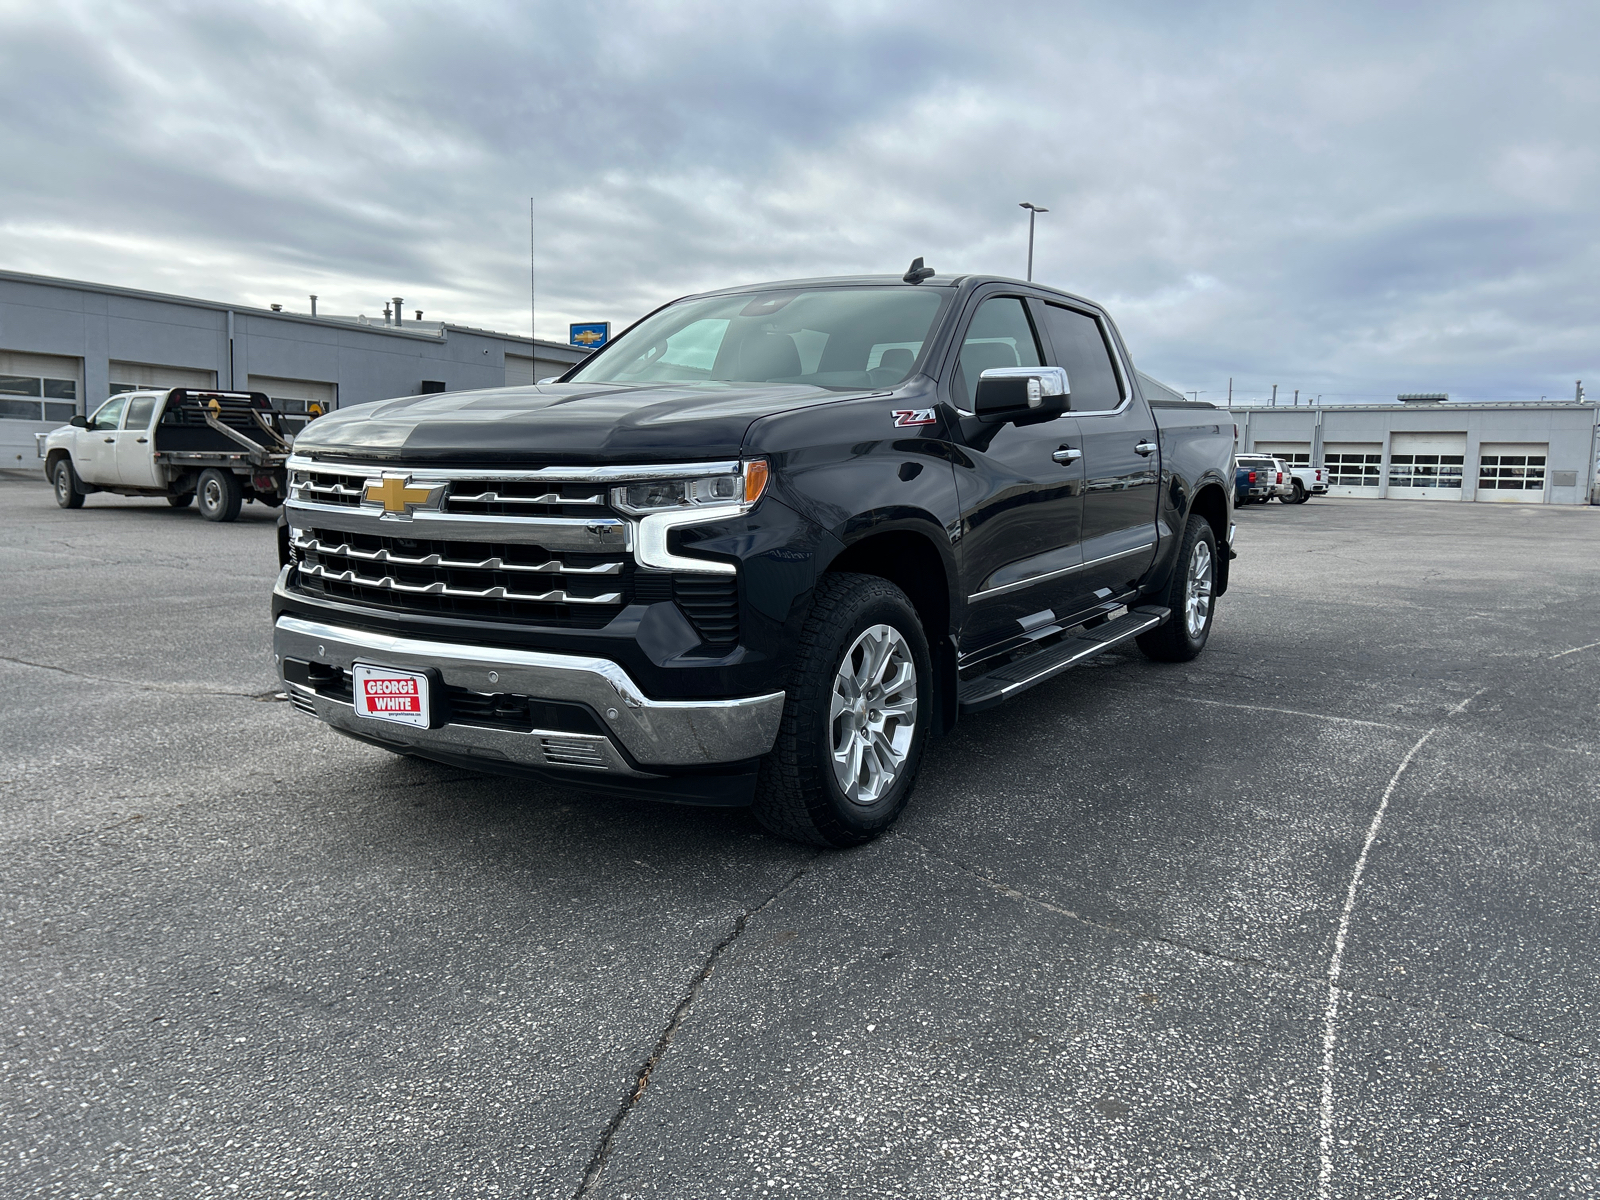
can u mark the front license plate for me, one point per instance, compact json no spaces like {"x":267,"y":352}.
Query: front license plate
{"x":387,"y":695}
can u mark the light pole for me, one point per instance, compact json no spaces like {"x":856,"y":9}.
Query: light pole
{"x":1033,"y":211}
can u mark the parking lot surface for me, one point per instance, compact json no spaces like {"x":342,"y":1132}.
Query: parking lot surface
{"x":1313,"y":915}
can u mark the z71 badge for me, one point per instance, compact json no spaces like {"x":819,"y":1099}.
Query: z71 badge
{"x":914,"y":416}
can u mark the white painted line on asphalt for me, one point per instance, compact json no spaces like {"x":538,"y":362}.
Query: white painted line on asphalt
{"x":1330,"y":1024}
{"x":1336,"y":965}
{"x":1295,"y":712}
{"x":1575,"y":650}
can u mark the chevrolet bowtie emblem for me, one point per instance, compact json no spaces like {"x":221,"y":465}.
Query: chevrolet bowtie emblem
{"x":396,"y":495}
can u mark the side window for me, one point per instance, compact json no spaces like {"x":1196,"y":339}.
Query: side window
{"x":1081,"y":348}
{"x":140,"y":409}
{"x":1000,"y":336}
{"x":109,"y":414}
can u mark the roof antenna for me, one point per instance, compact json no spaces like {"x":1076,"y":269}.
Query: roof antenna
{"x":918,"y":272}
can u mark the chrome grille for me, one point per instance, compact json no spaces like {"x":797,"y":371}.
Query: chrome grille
{"x":469,"y":579}
{"x":537,"y":546}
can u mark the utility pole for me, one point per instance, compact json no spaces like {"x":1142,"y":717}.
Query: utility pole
{"x":533,"y":304}
{"x":1033,"y":211}
{"x":1230,"y":391}
{"x":1274,"y":395}
{"x":1297,"y":397}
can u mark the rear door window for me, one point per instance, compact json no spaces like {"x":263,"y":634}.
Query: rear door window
{"x":140,"y":410}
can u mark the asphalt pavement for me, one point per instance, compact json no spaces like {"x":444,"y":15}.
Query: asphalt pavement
{"x":1315,"y":915}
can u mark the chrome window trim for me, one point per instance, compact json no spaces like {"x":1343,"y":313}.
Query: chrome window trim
{"x":1124,"y":376}
{"x":557,"y":474}
{"x":1048,"y":575}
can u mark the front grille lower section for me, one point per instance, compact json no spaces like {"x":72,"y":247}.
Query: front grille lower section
{"x":519,"y":714}
{"x":464,"y":579}
{"x":520,"y":583}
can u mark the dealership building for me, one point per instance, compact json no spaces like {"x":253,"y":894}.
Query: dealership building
{"x":66,"y":346}
{"x":1430,"y":448}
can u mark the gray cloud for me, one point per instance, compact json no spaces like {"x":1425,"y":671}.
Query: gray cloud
{"x":1353,"y":201}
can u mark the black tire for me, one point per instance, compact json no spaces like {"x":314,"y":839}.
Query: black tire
{"x":182,"y":501}
{"x":799,"y":794}
{"x":65,"y":481}
{"x":220,"y":495}
{"x":1298,"y":496}
{"x":1173,"y":640}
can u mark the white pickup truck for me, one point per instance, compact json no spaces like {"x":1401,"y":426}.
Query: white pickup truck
{"x":224,"y":447}
{"x":1304,"y":482}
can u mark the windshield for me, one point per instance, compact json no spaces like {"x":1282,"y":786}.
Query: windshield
{"x":831,"y":337}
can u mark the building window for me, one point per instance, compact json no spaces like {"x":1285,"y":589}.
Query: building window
{"x":34,"y":398}
{"x":1511,"y":472}
{"x":1354,"y":470}
{"x":1425,"y":470}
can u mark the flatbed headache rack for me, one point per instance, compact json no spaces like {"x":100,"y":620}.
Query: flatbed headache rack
{"x":188,"y":434}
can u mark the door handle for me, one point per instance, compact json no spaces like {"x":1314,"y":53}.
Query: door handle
{"x":1067,"y":455}
{"x":1145,"y":448}
{"x":141,"y":441}
{"x":110,"y":441}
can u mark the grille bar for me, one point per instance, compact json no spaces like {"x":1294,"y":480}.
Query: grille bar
{"x":493,"y":497}
{"x":311,"y":545}
{"x":391,"y":584}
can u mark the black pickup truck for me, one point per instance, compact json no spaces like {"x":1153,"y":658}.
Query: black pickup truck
{"x":757,"y":549}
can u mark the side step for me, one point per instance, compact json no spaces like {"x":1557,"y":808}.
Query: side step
{"x":1004,"y":682}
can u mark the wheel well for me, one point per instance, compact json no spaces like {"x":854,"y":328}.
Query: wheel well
{"x":1212,"y":504}
{"x":52,"y":458}
{"x":912,"y":563}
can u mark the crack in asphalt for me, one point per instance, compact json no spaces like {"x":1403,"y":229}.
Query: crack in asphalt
{"x":602,"y":1153}
{"x":171,"y":689}
{"x":1237,"y":960}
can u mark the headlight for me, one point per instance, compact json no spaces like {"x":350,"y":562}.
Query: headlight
{"x":740,"y":489}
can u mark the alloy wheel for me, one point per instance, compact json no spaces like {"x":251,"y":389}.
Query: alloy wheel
{"x":873,"y":714}
{"x":1197,"y":590}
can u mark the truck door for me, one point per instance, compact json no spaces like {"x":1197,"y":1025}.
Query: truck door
{"x":1020,"y":488}
{"x":1120,"y":456}
{"x":94,"y":450}
{"x":136,"y":463}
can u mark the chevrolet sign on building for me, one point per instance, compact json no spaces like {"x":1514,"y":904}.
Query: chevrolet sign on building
{"x":590,"y":336}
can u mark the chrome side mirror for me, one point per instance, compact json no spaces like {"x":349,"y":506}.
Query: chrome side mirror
{"x":1019,"y":391}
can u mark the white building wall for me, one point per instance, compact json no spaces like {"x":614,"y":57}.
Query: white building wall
{"x":1569,"y":430}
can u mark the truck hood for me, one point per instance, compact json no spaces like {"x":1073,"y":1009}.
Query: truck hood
{"x":559,"y":423}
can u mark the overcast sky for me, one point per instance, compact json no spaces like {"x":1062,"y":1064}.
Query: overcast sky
{"x":1349,"y":199}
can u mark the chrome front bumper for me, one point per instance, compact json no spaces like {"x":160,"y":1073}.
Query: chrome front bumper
{"x":655,"y":733}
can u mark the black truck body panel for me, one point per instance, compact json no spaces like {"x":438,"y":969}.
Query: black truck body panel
{"x":996,"y":542}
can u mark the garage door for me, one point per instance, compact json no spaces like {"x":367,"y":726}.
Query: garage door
{"x":1426,"y":466}
{"x":133,"y":377}
{"x":39,"y":387}
{"x":1353,"y":468}
{"x":1295,"y":453}
{"x":1512,"y":472}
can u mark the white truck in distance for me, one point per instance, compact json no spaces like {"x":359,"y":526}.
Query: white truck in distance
{"x":224,"y":447}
